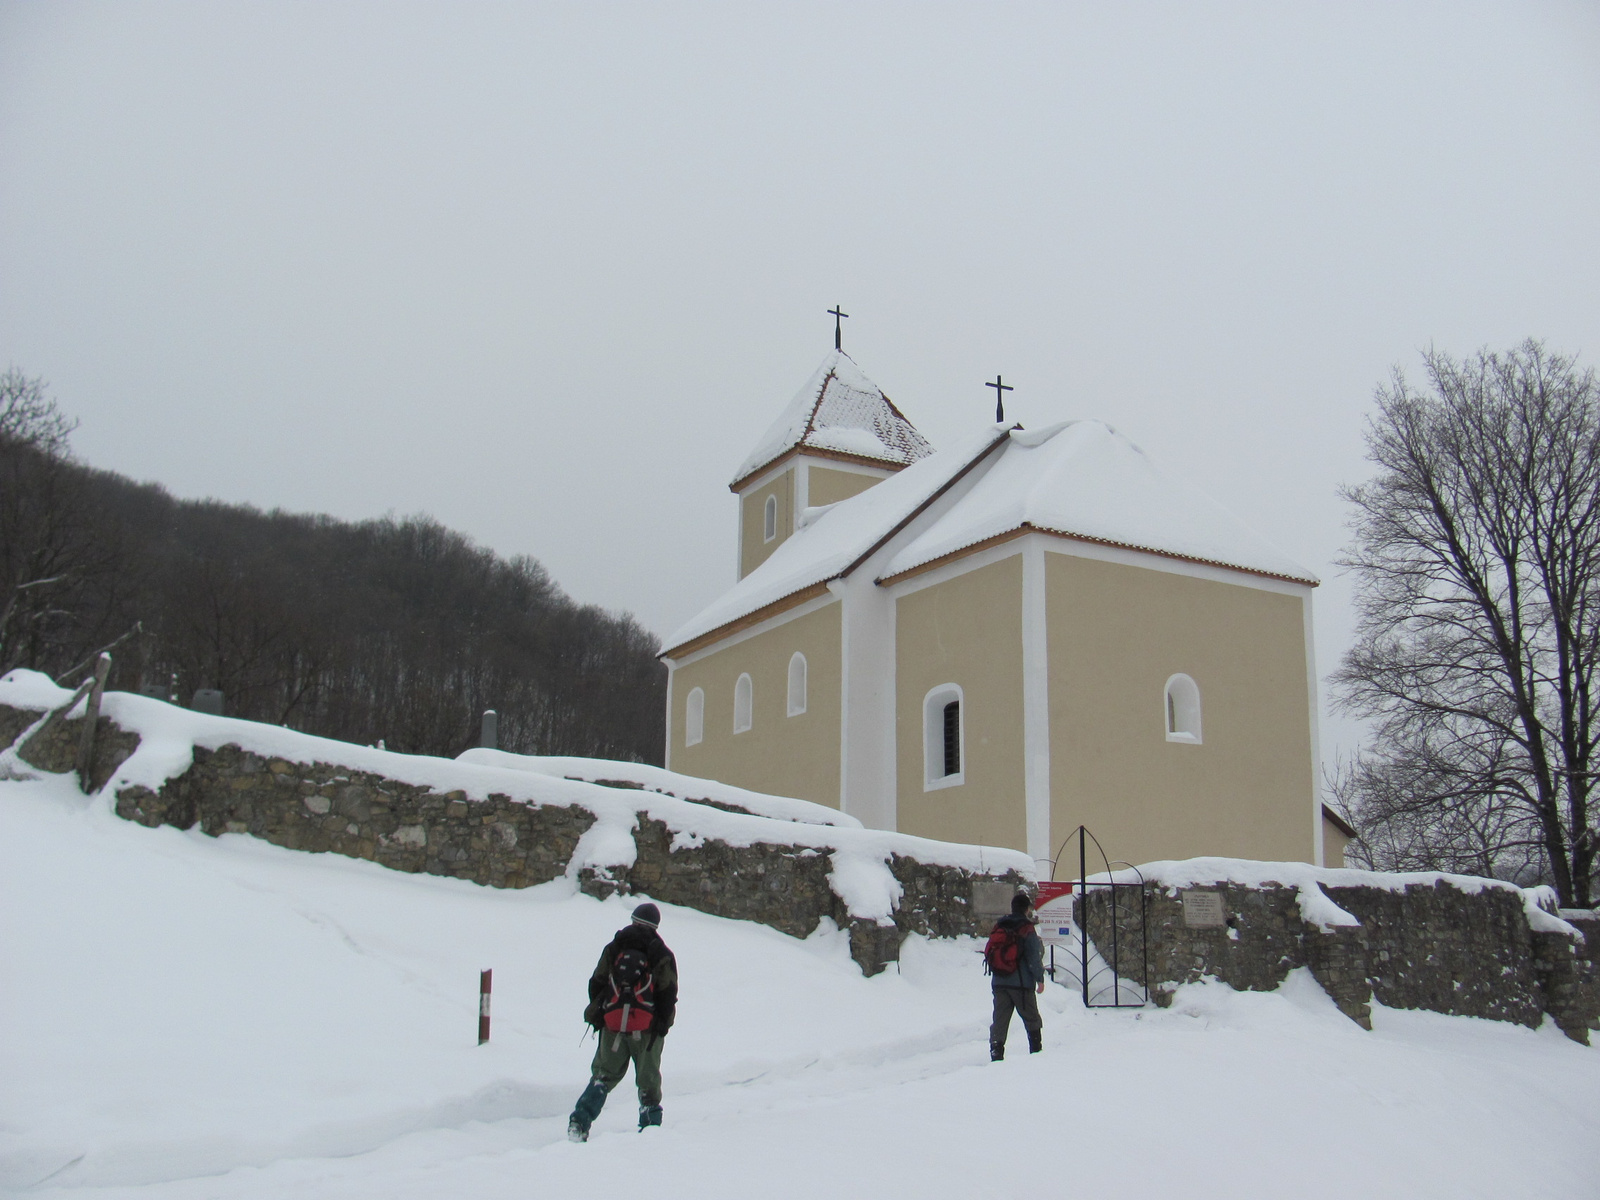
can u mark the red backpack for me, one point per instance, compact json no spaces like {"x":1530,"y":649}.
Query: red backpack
{"x":631,"y":1004}
{"x":1002,"y":953}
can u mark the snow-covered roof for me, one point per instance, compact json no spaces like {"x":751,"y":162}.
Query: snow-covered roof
{"x":1084,"y":479}
{"x":831,"y":542}
{"x":839,"y":411}
{"x":1081,"y":479}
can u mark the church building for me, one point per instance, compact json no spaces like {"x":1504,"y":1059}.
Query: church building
{"x":1027,"y":630}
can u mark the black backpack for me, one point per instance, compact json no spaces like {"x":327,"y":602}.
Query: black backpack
{"x":630,"y":1005}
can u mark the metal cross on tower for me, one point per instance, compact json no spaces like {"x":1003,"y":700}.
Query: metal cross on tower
{"x":1001,"y":387}
{"x":838,"y":326}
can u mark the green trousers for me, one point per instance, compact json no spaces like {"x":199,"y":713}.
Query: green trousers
{"x":643,"y":1050}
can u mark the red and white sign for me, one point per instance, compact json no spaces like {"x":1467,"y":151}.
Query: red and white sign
{"x":485,"y":981}
{"x":1054,"y":906}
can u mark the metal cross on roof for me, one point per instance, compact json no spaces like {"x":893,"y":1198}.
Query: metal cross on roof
{"x":838,"y":326}
{"x":1001,"y":387}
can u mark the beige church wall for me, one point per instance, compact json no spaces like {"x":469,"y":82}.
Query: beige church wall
{"x":1334,"y":841}
{"x":827,"y":486}
{"x":753,"y":548}
{"x":784,"y":755}
{"x":1116,"y":634}
{"x":967,"y":631}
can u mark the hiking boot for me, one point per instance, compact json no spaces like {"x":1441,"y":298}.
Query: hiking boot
{"x":586,"y":1110}
{"x":997,"y":1054}
{"x":649,"y":1116}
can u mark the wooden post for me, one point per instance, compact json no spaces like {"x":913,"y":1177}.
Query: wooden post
{"x":484,"y":979}
{"x":57,"y":716}
{"x":91,"y":718}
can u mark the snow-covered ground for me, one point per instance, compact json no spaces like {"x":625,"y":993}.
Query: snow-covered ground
{"x":186,"y":1017}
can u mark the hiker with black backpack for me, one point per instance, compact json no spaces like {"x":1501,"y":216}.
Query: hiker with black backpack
{"x":633,"y":997}
{"x":1014,"y":957}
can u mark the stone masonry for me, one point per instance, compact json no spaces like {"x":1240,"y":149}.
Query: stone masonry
{"x":1427,"y":947}
{"x":1436,"y":947}
{"x":501,"y":842}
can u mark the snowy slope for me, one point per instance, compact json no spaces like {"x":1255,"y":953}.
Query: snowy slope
{"x":188,"y":1017}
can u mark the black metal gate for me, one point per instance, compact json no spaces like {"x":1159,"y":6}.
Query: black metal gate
{"x":1106,"y":958}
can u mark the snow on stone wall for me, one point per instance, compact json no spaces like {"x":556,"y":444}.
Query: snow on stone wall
{"x":514,"y":826}
{"x":1447,"y":943}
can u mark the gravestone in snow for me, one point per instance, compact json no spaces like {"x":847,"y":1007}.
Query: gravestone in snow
{"x":207,"y":700}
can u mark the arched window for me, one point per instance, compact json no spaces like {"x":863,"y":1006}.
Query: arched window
{"x":943,"y":738}
{"x":743,"y":704}
{"x":694,"y":718}
{"x":797,"y":684}
{"x":1182,"y":705}
{"x":769,"y":523}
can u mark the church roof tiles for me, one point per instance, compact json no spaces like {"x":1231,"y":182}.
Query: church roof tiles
{"x":839,"y":412}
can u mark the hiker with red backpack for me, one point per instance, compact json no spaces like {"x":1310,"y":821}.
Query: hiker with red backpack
{"x":1014,"y":957}
{"x":633,"y":997}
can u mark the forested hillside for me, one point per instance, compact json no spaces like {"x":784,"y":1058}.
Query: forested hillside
{"x":395,"y":630}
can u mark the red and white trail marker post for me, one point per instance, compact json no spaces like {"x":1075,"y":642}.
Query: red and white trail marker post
{"x":484,"y":980}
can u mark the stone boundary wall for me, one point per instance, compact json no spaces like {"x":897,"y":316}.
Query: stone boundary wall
{"x":328,"y":808}
{"x":1434,"y":947}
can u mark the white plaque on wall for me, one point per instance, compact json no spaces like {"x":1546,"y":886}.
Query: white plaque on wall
{"x":1202,"y":910}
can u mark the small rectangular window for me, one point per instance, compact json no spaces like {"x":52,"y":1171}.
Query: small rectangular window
{"x":942,"y":737}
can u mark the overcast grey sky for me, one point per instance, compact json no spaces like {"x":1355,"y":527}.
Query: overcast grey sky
{"x":547,"y":271}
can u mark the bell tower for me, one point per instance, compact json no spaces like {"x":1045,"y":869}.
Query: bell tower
{"x":837,"y":437}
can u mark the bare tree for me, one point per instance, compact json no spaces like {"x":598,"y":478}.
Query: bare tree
{"x":1477,"y":553}
{"x":58,"y":557}
{"x":28,"y":415}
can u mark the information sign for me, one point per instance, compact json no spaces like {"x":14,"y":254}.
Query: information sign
{"x":1054,"y":907}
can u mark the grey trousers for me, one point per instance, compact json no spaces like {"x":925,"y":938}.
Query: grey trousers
{"x":1025,"y":1004}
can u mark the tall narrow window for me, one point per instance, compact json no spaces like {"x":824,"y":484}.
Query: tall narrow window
{"x":743,"y":704}
{"x":769,"y":523}
{"x":943,"y":737}
{"x":694,"y":717}
{"x":1183,"y":710}
{"x":797,"y":684}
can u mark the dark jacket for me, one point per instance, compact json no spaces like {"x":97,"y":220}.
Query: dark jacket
{"x":1030,"y":965}
{"x":663,"y":966}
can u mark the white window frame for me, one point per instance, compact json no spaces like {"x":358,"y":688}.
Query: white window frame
{"x":744,"y":704}
{"x":797,"y":684}
{"x":1180,"y":710}
{"x":933,"y":705}
{"x":694,"y":717}
{"x":769,"y":518}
